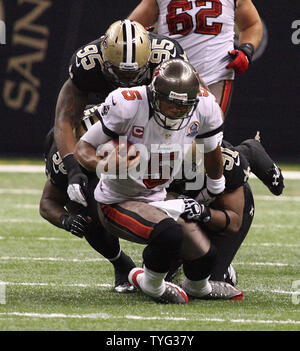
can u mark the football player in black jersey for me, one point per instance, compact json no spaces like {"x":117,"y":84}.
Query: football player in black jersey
{"x":56,"y":207}
{"x":227,"y":219}
{"x":125,"y":55}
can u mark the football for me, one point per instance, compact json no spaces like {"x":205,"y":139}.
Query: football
{"x":125,"y":148}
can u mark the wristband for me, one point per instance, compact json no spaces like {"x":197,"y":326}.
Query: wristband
{"x":215,"y":186}
{"x":248,"y":50}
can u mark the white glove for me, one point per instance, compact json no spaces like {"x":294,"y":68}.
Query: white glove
{"x":75,"y":194}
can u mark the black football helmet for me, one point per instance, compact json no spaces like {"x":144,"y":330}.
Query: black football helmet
{"x":176,"y":82}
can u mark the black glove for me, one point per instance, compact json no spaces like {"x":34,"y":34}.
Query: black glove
{"x":77,"y":224}
{"x":195,"y":211}
{"x":78,"y":181}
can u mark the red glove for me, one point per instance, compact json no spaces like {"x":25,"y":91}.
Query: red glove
{"x":241,"y":58}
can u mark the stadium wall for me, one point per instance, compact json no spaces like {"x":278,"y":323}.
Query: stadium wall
{"x":41,"y":35}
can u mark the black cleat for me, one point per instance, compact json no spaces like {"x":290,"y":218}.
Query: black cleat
{"x":123,"y":265}
{"x":274,"y":180}
{"x":174,"y":271}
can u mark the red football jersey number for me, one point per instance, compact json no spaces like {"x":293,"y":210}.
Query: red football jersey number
{"x":182,"y":23}
{"x":157,"y":161}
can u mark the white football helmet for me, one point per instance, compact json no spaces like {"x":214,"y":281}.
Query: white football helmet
{"x":126,"y":50}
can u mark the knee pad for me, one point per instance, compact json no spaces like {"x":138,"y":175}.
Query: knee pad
{"x":201,"y":267}
{"x":164,"y":245}
{"x":167,"y":234}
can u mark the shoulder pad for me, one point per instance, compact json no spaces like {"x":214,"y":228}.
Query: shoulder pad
{"x":85,"y":67}
{"x":123,"y":102}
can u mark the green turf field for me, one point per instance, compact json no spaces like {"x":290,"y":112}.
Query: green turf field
{"x":52,"y":280}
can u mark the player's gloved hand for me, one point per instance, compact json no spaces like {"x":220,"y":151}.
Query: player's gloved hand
{"x":242,"y":57}
{"x":77,"y":224}
{"x":195,"y":211}
{"x":78,"y":181}
{"x":204,"y":197}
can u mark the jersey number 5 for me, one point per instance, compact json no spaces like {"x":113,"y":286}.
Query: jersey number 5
{"x":182,"y":23}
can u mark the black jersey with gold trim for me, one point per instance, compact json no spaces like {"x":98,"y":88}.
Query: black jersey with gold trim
{"x":236,"y":172}
{"x":57,"y":175}
{"x":85,"y":65}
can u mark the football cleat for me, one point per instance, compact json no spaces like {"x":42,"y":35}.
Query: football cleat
{"x":231,"y":276}
{"x":220,"y":291}
{"x":172,"y":294}
{"x":274,"y":180}
{"x":124,"y":288}
{"x":174,"y":271}
{"x":273,"y":177}
{"x":223,"y":291}
{"x":122,"y":267}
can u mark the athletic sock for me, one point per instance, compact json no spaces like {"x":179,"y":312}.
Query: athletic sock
{"x":152,"y":283}
{"x":197,"y":288}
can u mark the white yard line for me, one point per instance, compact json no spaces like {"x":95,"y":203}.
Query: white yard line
{"x":105,"y":285}
{"x":15,"y":168}
{"x":21,"y":191}
{"x":28,"y":191}
{"x":68,"y":238}
{"x":22,"y":168}
{"x":135,"y":317}
{"x":21,"y":220}
{"x":51,"y":259}
{"x":79,"y":260}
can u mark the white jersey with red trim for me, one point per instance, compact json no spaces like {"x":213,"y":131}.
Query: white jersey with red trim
{"x":127,"y":112}
{"x":205,"y":30}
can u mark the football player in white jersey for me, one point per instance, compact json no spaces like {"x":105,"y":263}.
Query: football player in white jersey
{"x":205,"y":30}
{"x":125,"y":55}
{"x":163,"y":117}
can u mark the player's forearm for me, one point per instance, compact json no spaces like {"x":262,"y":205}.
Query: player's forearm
{"x":52,"y":211}
{"x":145,"y":13}
{"x":86,"y":156}
{"x":248,"y":23}
{"x":69,"y":110}
{"x":213,"y":163}
{"x":221,"y":222}
{"x":64,"y":138}
{"x":251,"y":35}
